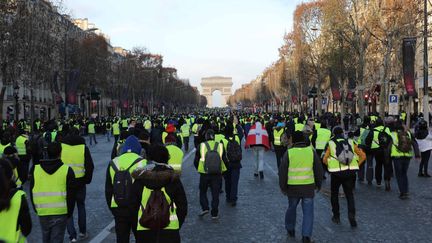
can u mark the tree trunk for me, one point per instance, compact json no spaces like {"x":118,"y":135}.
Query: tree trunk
{"x":2,"y":94}
{"x":383,"y":94}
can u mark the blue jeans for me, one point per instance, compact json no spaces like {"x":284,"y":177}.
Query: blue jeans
{"x":308,"y":214}
{"x":53,"y":228}
{"x":92,"y":136}
{"x":401,"y":166}
{"x":80,"y":196}
{"x":108,"y":134}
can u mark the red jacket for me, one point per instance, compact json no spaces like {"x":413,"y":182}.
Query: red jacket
{"x":257,"y":136}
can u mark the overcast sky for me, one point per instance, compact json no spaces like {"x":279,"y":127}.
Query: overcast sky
{"x":235,"y":38}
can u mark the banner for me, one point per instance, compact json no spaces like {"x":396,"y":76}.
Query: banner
{"x":334,"y":84}
{"x":72,"y":87}
{"x":55,"y":89}
{"x":408,"y":62}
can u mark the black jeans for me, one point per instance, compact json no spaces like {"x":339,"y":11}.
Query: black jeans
{"x":380,"y":162}
{"x":186,"y":143}
{"x":423,"y":168}
{"x":80,"y":196}
{"x":215,"y":183}
{"x":123,"y":227}
{"x":347,"y":182}
{"x":279,"y":151}
{"x":231,"y":177}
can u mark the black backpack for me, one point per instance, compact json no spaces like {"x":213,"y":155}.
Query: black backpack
{"x":122,"y":183}
{"x":213,"y":161}
{"x":156,"y":214}
{"x":383,"y":139}
{"x":234,"y":151}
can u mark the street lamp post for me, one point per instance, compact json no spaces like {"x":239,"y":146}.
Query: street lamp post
{"x":16,"y":93}
{"x":425,"y":66}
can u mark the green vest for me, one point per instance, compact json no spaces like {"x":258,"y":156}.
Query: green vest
{"x":174,"y":222}
{"x":225,"y":141}
{"x":116,"y":129}
{"x":317,"y":125}
{"x":125,"y":123}
{"x":334,"y":165}
{"x":219,"y":137}
{"x":176,"y":157}
{"x":164,"y":135}
{"x":185,"y":130}
{"x":20,"y":144}
{"x":49,"y":191}
{"x":2,"y":148}
{"x":91,"y":128}
{"x":395,"y":151}
{"x":277,"y":136}
{"x":9,"y":220}
{"x":323,"y":137}
{"x":203,"y":152}
{"x":376,"y":131}
{"x":147,"y":124}
{"x":74,"y":157}
{"x":300,"y":169}
{"x":299,"y":127}
{"x":123,"y":162}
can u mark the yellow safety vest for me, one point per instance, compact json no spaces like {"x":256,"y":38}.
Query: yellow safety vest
{"x":334,"y":165}
{"x":2,"y":148}
{"x":203,"y":152}
{"x":300,"y":170}
{"x":277,"y":136}
{"x":49,"y":191}
{"x":164,"y":135}
{"x":147,"y":125}
{"x":185,"y":130}
{"x":9,"y":220}
{"x":20,"y":144}
{"x":176,"y":157}
{"x":91,"y":128}
{"x":323,"y":137}
{"x":219,"y":137}
{"x":174,"y":222}
{"x":74,"y":157}
{"x":395,"y":151}
{"x":317,"y":125}
{"x":376,"y":131}
{"x":299,"y":127}
{"x":123,"y":162}
{"x":125,"y":123}
{"x":116,"y":129}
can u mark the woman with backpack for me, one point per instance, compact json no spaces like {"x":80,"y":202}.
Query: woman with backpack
{"x":158,"y":200}
{"x":403,"y":147}
{"x":424,"y":141}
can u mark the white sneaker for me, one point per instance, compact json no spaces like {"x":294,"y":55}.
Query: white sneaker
{"x":73,"y":240}
{"x":83,"y":236}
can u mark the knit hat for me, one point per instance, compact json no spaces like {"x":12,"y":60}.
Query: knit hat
{"x":298,"y":137}
{"x":131,"y":145}
{"x":170,"y":128}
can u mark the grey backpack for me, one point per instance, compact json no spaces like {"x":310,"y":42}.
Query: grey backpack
{"x":212,"y":160}
{"x":344,"y":152}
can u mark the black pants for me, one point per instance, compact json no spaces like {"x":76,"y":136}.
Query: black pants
{"x":123,"y":227}
{"x":423,"y":168}
{"x":23,"y":167}
{"x":381,"y":162}
{"x":186,"y":143}
{"x":196,"y":142}
{"x":279,"y":150}
{"x":231,"y":177}
{"x":347,"y":182}
{"x":215,"y":184}
{"x":116,"y":137}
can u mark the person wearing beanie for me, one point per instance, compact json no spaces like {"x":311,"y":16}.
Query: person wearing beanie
{"x":156,"y":180}
{"x":128,"y":160}
{"x":300,"y":173}
{"x":343,"y":173}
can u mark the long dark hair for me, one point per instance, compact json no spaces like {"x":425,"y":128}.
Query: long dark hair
{"x":5,"y":184}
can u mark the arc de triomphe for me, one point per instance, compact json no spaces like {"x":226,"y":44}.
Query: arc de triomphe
{"x":211,"y":84}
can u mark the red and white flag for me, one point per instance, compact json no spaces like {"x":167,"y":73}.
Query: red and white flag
{"x":257,"y":136}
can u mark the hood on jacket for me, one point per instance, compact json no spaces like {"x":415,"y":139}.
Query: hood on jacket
{"x":155,"y":175}
{"x":73,"y":140}
{"x":50,"y":166}
{"x":131,"y":145}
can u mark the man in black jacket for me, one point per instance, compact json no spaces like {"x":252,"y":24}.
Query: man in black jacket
{"x":72,"y":140}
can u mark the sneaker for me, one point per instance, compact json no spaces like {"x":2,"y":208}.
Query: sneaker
{"x":256,"y":174}
{"x":420,"y":174}
{"x":378,"y":184}
{"x":370,"y":183}
{"x":73,"y":240}
{"x":427,"y":175}
{"x":215,"y":217}
{"x":336,"y":220}
{"x":204,"y":212}
{"x":387,"y":186}
{"x":403,"y":196}
{"x":291,"y":233}
{"x":261,"y":174}
{"x":353,"y":223}
{"x":83,"y":236}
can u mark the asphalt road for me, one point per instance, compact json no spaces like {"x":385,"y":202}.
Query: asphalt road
{"x":260,"y":211}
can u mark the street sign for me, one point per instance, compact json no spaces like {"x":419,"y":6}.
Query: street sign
{"x":393,"y":105}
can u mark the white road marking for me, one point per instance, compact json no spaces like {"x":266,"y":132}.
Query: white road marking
{"x":103,"y":234}
{"x":271,"y":169}
{"x":189,"y":154}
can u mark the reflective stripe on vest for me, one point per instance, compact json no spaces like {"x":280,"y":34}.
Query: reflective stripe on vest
{"x":174,"y":223}
{"x":395,"y":151}
{"x":334,"y":165}
{"x":74,"y":157}
{"x":9,"y":220}
{"x":277,"y":138}
{"x":49,"y":191}
{"x":203,"y":152}
{"x":20,"y":145}
{"x":176,"y":157}
{"x":323,"y":137}
{"x":122,"y":163}
{"x":300,"y":170}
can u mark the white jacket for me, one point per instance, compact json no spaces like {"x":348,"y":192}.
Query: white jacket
{"x":425,"y":144}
